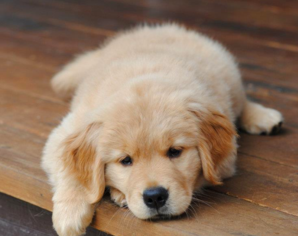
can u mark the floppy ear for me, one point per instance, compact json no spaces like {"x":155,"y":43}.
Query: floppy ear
{"x":217,"y":145}
{"x":83,"y":162}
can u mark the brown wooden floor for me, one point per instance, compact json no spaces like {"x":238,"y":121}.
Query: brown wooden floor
{"x":38,"y":36}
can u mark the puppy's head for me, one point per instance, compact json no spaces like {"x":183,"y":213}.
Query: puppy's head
{"x":156,"y":147}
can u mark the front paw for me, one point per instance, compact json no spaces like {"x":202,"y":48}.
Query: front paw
{"x":118,"y":197}
{"x":72,"y":218}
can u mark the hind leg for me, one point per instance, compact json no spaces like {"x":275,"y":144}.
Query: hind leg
{"x":257,"y":119}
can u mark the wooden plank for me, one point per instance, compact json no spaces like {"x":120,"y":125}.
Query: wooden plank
{"x":249,"y":54}
{"x":179,"y":10}
{"x":30,"y":52}
{"x":18,"y":218}
{"x":215,"y":220}
{"x":264,"y":183}
{"x":10,"y":229}
{"x":225,"y":216}
{"x":233,"y":11}
{"x":278,"y":6}
{"x":182,"y":12}
{"x":21,"y":151}
{"x":282,"y":148}
{"x":25,"y":187}
{"x":26,"y":77}
{"x":59,"y":40}
{"x":29,"y":113}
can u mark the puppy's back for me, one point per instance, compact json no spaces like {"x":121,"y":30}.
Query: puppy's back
{"x":168,"y":51}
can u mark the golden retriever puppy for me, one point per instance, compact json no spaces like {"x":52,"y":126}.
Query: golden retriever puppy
{"x":152,"y":117}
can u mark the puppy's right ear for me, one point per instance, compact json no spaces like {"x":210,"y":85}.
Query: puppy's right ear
{"x":217,"y":143}
{"x":82,"y":161}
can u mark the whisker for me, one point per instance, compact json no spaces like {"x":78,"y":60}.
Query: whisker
{"x":204,"y":202}
{"x":198,"y":199}
{"x":126,"y":217}
{"x":194,"y":212}
{"x":116,"y":212}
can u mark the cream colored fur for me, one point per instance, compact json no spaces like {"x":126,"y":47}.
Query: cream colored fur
{"x":139,"y":88}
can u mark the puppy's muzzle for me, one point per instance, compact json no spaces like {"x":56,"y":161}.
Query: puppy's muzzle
{"x":155,"y":197}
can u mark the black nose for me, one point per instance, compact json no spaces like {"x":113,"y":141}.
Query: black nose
{"x":155,"y":197}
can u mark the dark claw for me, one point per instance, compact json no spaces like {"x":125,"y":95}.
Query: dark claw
{"x":276,"y":128}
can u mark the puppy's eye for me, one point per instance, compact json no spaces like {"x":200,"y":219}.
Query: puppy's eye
{"x":127,"y":161}
{"x":174,"y":152}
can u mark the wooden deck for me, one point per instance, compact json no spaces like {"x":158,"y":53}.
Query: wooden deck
{"x":38,"y":36}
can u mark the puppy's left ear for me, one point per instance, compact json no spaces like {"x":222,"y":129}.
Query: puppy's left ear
{"x":82,"y":161}
{"x":217,"y":145}
{"x":80,"y":181}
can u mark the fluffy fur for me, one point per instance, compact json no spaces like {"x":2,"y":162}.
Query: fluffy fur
{"x":145,"y":91}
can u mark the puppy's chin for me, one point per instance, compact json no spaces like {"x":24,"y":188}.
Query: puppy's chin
{"x":160,"y":214}
{"x":170,"y":210}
